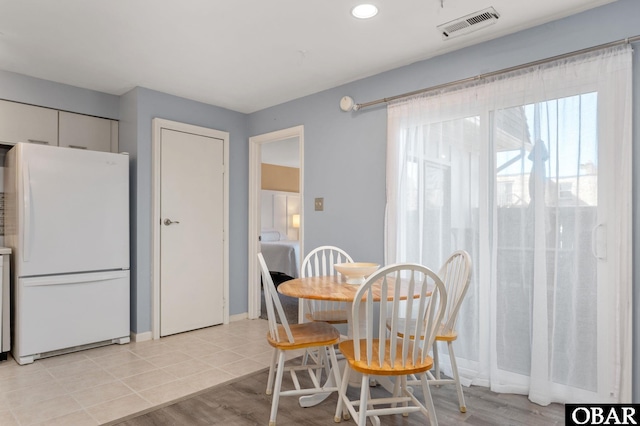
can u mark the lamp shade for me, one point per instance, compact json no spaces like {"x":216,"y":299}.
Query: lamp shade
{"x":295,"y":221}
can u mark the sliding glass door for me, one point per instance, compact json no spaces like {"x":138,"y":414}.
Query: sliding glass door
{"x":535,"y":185}
{"x":547,"y":245}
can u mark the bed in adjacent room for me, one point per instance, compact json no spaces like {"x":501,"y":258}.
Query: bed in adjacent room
{"x":282,"y":257}
{"x":281,"y":254}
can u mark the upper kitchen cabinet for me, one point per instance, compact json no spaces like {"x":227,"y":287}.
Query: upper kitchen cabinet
{"x":27,"y":123}
{"x":87,"y":132}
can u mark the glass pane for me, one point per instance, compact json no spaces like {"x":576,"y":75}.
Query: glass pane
{"x":546,"y":199}
{"x":440,"y":206}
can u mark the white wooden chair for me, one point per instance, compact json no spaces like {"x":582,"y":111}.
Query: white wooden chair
{"x":319,"y":262}
{"x":388,"y":354}
{"x":284,"y":337}
{"x":456,"y":275}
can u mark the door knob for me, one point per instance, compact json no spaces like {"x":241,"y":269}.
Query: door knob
{"x":169,"y":222}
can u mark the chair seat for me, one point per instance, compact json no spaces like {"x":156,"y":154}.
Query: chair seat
{"x":347,"y":349}
{"x":330,"y":316}
{"x":307,"y":335}
{"x":447,"y":337}
{"x":441,"y":335}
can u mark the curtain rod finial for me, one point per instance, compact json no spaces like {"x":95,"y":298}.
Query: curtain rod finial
{"x":347,"y":103}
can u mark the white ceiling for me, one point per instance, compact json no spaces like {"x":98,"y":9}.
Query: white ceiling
{"x":244,"y":55}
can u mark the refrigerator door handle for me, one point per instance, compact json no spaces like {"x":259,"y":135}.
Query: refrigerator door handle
{"x":73,"y":278}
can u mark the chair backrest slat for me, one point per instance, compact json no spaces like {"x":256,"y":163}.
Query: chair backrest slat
{"x":384,"y":288}
{"x":273,"y":304}
{"x":419,"y":326}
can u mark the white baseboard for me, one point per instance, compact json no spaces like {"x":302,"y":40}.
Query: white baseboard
{"x":141,"y":337}
{"x":238,"y":317}
{"x":147,"y":335}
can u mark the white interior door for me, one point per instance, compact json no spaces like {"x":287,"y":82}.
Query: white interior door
{"x":192,"y":205}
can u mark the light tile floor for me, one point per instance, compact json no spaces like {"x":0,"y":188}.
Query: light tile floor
{"x":96,"y":386}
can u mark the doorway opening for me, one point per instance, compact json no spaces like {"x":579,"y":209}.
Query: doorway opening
{"x":276,"y":212}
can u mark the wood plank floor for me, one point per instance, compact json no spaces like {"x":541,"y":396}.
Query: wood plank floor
{"x":244,"y":402}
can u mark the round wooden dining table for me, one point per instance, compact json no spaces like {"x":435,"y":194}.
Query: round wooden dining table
{"x":333,"y":288}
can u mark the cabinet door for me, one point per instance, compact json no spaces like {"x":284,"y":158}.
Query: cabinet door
{"x":27,"y":123}
{"x":85,"y":132}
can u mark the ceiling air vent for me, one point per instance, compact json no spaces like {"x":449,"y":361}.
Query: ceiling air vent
{"x":469,"y":23}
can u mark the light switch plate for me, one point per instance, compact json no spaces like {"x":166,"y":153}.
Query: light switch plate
{"x":319,"y":204}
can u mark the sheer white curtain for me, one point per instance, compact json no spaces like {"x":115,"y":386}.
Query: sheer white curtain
{"x":530,"y":172}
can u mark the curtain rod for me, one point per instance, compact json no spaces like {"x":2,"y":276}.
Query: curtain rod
{"x":357,"y":107}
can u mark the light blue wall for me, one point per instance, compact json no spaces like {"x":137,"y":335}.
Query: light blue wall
{"x":143,"y":106}
{"x":128,"y":142}
{"x":344,"y":163}
{"x":344,"y":152}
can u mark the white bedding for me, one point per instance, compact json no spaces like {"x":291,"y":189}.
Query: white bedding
{"x":282,"y":256}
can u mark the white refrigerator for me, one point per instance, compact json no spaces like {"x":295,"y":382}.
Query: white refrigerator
{"x":67,"y":223}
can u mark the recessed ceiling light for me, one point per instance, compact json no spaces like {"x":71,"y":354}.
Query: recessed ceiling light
{"x":364,"y":11}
